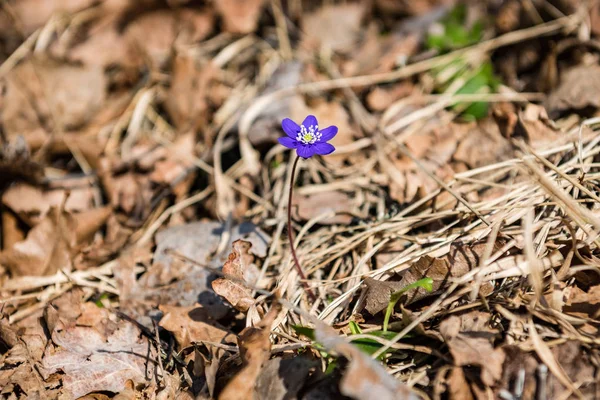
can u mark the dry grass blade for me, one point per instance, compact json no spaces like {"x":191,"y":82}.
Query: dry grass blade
{"x":546,"y":356}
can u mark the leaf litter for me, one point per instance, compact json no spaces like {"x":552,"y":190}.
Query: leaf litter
{"x":451,"y":240}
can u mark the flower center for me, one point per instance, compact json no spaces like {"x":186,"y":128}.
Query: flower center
{"x":309,"y":135}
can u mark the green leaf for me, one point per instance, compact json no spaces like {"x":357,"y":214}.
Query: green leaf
{"x":331,"y":366}
{"x":371,"y":346}
{"x":304,"y":330}
{"x":98,"y":302}
{"x":425,"y":283}
{"x":354,"y":328}
{"x":482,"y":81}
{"x":455,"y":34}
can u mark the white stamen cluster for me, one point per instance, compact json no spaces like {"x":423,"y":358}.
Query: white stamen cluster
{"x":310,"y":135}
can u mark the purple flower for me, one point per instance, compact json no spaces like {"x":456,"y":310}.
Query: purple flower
{"x":307,"y":139}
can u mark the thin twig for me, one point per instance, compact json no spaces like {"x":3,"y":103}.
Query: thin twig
{"x":291,"y":235}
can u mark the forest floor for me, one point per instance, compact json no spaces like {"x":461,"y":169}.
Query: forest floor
{"x":451,"y":243}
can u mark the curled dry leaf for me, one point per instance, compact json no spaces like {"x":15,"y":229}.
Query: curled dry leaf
{"x":239,"y":270}
{"x":469,"y":339}
{"x":584,"y":304}
{"x":200,"y":242}
{"x":192,"y":325}
{"x":255,"y":350}
{"x":365,"y":378}
{"x":51,"y":244}
{"x":540,"y":130}
{"x":461,"y":258}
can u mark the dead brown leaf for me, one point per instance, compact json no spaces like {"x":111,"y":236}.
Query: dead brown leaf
{"x":82,"y":352}
{"x":461,"y":259}
{"x":48,"y":247}
{"x":255,"y":350}
{"x":378,"y":54}
{"x":151,"y":35}
{"x":595,"y":18}
{"x":584,"y":304}
{"x":380,"y":98}
{"x":282,"y":378}
{"x":307,"y":207}
{"x":239,"y":16}
{"x":128,"y":393}
{"x":379,"y":294}
{"x":74,"y":92}
{"x":192,"y":325}
{"x":11,"y":232}
{"x":434,"y":145}
{"x":155,"y":34}
{"x":540,"y":130}
{"x":51,"y":245}
{"x":577,"y":90}
{"x":409,"y":7}
{"x":128,"y":192}
{"x":483,"y":145}
{"x":239,"y":270}
{"x":469,"y":339}
{"x":458,"y":387}
{"x":573,"y":360}
{"x":104,"y":45}
{"x":169,"y":169}
{"x":33,"y":13}
{"x":334,"y":27}
{"x":187,"y":98}
{"x":16,"y":163}
{"x":32,"y":203}
{"x":200,"y":241}
{"x":170,"y":280}
{"x":24,"y":106}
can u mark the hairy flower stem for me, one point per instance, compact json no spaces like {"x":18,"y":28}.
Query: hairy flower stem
{"x":291,"y":235}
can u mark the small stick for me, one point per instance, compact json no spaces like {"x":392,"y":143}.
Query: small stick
{"x":291,"y":235}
